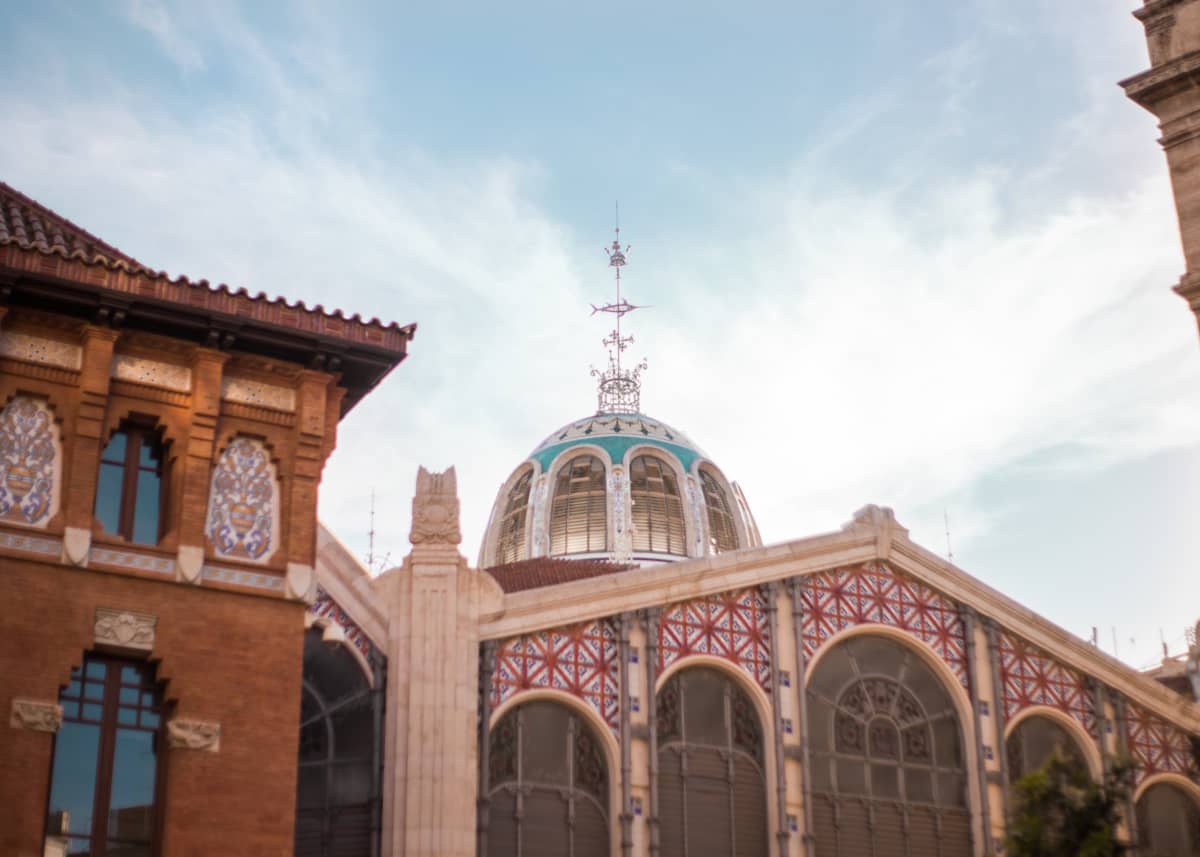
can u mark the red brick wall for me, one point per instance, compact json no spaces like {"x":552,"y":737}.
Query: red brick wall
{"x":230,"y":658}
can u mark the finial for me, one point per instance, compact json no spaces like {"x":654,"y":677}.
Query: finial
{"x":619,"y":390}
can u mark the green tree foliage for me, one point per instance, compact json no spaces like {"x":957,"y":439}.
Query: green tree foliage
{"x":1060,"y":811}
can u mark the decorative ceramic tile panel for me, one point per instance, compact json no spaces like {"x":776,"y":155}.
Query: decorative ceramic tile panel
{"x":153,"y":373}
{"x":31,"y":544}
{"x":267,"y":582}
{"x":29,"y":463}
{"x":259,"y":393}
{"x":1156,"y":746}
{"x":875,"y":594}
{"x":1032,"y":677}
{"x":132,"y":559}
{"x":36,"y":349}
{"x":579,"y":659}
{"x":326,"y":608}
{"x":730,"y":625}
{"x":243,"y":503}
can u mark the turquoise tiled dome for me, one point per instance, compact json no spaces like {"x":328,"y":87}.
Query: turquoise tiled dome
{"x":616,"y":434}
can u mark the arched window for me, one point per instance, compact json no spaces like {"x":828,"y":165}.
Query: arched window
{"x":578,"y":515}
{"x":887,"y":762}
{"x":1168,"y":822}
{"x":512,"y":524}
{"x":712,"y":798}
{"x":548,"y":785}
{"x":1034,"y":740}
{"x":129,"y":492}
{"x":721,"y":528}
{"x":338,"y":785}
{"x":657,"y":509}
{"x":107,"y":768}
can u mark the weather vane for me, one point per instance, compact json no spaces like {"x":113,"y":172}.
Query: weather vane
{"x":619,"y":390}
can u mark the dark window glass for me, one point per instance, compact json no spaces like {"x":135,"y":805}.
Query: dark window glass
{"x":1034,"y":740}
{"x":1168,"y":822}
{"x":107,"y":761}
{"x":129,"y":485}
{"x":511,"y":547}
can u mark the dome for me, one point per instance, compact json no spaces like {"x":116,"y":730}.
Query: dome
{"x":619,"y":486}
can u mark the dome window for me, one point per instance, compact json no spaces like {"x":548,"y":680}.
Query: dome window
{"x":721,"y":529}
{"x":657,"y":508}
{"x":578,"y":515}
{"x":512,"y":525}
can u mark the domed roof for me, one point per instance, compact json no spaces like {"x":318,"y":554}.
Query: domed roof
{"x":616,"y":434}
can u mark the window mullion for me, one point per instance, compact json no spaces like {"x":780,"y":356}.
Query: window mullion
{"x":133,"y":450}
{"x":104,"y":762}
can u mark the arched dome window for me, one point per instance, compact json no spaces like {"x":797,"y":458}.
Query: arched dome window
{"x":1034,"y":740}
{"x":511,"y":547}
{"x":578,"y":515}
{"x":1168,"y":822}
{"x":721,"y":528}
{"x":657,"y":508}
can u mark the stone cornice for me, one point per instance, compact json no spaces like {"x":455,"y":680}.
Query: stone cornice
{"x":1156,"y":8}
{"x":1151,"y":86}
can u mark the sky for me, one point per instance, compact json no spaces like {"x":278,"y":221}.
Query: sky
{"x":917,"y":255}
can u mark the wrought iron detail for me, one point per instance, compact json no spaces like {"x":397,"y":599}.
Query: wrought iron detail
{"x":619,"y":388}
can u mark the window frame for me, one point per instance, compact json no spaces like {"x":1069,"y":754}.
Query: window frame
{"x":137,"y":435}
{"x":672,"y":507}
{"x":98,"y":836}
{"x":715,"y":487}
{"x":512,"y":542}
{"x":594,"y":499}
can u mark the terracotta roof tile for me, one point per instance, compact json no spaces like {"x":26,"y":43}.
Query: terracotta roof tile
{"x":65,"y":250}
{"x":550,"y":571}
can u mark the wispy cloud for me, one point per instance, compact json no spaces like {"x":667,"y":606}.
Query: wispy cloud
{"x":154,"y":18}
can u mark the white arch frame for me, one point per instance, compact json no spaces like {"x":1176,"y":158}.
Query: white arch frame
{"x":556,"y":465}
{"x":1085,"y":742}
{"x":762,"y":710}
{"x":491,"y":544}
{"x":739,"y":526}
{"x":1169,"y":778}
{"x":332,"y":632}
{"x":604,"y":733}
{"x":959,"y":698}
{"x":681,"y":476}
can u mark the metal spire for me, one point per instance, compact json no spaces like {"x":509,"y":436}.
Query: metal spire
{"x":619,"y":390}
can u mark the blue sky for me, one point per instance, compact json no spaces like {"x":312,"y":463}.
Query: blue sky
{"x":917,"y":255}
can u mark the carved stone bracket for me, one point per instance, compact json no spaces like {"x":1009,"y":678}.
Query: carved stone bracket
{"x":435,"y":509}
{"x":183,"y":734}
{"x":36,"y":715}
{"x":124,"y":629}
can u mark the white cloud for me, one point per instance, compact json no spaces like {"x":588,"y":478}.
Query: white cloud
{"x":155,"y":19}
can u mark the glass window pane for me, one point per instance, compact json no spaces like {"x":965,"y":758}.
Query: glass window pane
{"x":145,"y":513}
{"x":149,"y":721}
{"x":704,"y":708}
{"x":129,"y":696}
{"x":108,"y":497}
{"x":885,"y":782}
{"x":149,"y":453}
{"x":96,"y":669}
{"x":115,"y":451}
{"x":544,"y":744}
{"x":127,"y":716}
{"x":131,"y":675}
{"x":73,"y":781}
{"x":131,"y":806}
{"x":147,"y":700}
{"x":92,"y":712}
{"x":70,"y":709}
{"x":852,"y":777}
{"x":93,"y":690}
{"x":73,"y":690}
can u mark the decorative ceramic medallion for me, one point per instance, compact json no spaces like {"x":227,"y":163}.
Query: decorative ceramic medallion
{"x":28,"y":463}
{"x":243,"y":503}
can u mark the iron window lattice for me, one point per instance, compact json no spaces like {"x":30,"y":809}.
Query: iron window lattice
{"x":657,"y":509}
{"x":721,"y":528}
{"x":578,"y":512}
{"x":512,"y":546}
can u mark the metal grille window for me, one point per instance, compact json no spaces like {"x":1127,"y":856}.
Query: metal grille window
{"x":128,"y":489}
{"x":1034,"y":740}
{"x":1168,"y":822}
{"x":512,"y":524}
{"x":721,"y":529}
{"x":549,"y":785}
{"x":579,"y":514}
{"x":657,"y":510}
{"x":712,"y":795}
{"x":107,"y":772}
{"x":338,"y":784}
{"x":887,"y":762}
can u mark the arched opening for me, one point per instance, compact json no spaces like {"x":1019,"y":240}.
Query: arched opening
{"x":1168,"y":822}
{"x":338,"y":784}
{"x":712,"y":795}
{"x":1034,"y":740}
{"x":657,"y":510}
{"x":887,"y":763}
{"x":722,"y":531}
{"x":548,"y":785}
{"x":511,"y":545}
{"x":578,"y":514}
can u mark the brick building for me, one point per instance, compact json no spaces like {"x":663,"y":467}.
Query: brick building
{"x":161,"y":447}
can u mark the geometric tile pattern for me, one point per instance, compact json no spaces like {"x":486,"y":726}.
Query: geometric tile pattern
{"x":581,"y":660}
{"x":1157,"y":746}
{"x":1029,"y":676}
{"x":730,"y":625}
{"x":875,"y":594}
{"x":326,"y":608}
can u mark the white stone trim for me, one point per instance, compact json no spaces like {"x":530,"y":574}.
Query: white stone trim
{"x":125,"y":630}
{"x":35,"y":715}
{"x":152,"y":373}
{"x":260,"y":394}
{"x":39,"y":349}
{"x":186,"y":734}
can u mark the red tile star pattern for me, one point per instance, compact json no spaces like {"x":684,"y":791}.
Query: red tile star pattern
{"x":1157,"y":746}
{"x":731,"y":625}
{"x":1031,"y":677}
{"x":579,"y":659}
{"x":875,"y":594}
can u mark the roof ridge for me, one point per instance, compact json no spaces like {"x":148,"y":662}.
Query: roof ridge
{"x":24,"y":199}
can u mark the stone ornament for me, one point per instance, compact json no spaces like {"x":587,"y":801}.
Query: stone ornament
{"x":35,"y":715}
{"x":435,"y":509}
{"x":152,"y":373}
{"x":37,"y":349}
{"x":28,"y":463}
{"x":184,"y":734}
{"x":242,"y":503}
{"x":539,"y":494}
{"x":258,"y":393}
{"x":124,"y":629}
